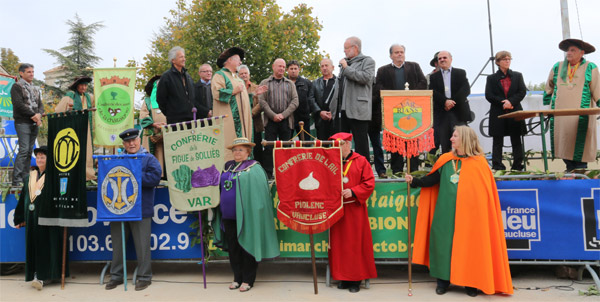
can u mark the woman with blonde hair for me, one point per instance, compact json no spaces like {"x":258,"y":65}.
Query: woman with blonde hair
{"x":459,"y":233}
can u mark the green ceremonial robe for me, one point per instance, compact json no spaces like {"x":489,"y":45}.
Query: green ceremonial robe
{"x":442,"y":226}
{"x":254,"y":216}
{"x":43,"y":244}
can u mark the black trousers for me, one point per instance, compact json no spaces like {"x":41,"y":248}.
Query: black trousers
{"x":325,"y":129}
{"x":257,"y":152}
{"x":360,"y":134}
{"x":274,"y":131}
{"x":306,"y":128}
{"x":397,"y":163}
{"x":443,"y":127}
{"x":244,"y":265}
{"x":517,"y":151}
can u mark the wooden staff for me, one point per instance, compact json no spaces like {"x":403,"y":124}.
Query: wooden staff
{"x":310,"y":236}
{"x":409,"y":203}
{"x":64,"y":259}
{"x":124,"y":255}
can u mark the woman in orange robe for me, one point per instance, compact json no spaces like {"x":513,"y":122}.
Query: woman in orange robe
{"x":459,"y":233}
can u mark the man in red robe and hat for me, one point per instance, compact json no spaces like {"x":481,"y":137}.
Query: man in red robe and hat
{"x":351,"y":257}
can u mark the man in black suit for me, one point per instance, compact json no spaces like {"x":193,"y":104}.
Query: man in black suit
{"x":450,"y":105}
{"x":394,"y":76}
{"x":203,"y":92}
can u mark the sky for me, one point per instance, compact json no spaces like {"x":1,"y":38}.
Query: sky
{"x":530,"y":29}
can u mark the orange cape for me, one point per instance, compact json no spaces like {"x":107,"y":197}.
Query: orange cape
{"x":479,"y":258}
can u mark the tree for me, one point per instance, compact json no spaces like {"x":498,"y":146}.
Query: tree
{"x":78,"y":54}
{"x":9,"y":61}
{"x":206,"y":28}
{"x":536,"y":87}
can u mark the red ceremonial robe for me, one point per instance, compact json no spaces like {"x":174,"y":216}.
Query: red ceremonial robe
{"x":479,"y":258}
{"x":350,"y":242}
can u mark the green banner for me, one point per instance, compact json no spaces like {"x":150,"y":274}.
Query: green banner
{"x":388,"y":218}
{"x":114,"y":89}
{"x":194,"y":160}
{"x":6,"y":84}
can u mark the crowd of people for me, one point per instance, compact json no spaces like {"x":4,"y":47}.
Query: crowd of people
{"x":457,"y":247}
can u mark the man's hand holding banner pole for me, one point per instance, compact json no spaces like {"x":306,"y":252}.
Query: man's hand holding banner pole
{"x":407,"y":129}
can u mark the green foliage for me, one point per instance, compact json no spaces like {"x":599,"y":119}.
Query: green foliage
{"x":9,"y":61}
{"x":78,"y":54}
{"x":536,"y":87}
{"x":206,"y":28}
{"x":592,"y":291}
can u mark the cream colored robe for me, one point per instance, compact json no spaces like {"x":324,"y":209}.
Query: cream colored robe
{"x":224,"y":103}
{"x":573,"y":137}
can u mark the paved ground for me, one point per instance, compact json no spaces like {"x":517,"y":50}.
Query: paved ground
{"x":284,"y":282}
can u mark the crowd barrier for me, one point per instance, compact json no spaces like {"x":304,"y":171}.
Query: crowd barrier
{"x":545,"y":222}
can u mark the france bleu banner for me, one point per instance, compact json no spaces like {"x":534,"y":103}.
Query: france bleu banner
{"x":119,"y":187}
{"x":551,"y":219}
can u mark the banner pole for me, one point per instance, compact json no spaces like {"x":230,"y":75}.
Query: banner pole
{"x":64,"y":259}
{"x":202,"y":243}
{"x":314,"y":264}
{"x":409,"y":205}
{"x":124,"y":255}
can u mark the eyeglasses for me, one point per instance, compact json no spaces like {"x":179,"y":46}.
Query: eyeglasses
{"x":442,"y":58}
{"x":203,"y":71}
{"x":238,"y":149}
{"x":506,"y":59}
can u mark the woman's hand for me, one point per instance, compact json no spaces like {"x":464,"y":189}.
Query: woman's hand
{"x":408,"y":178}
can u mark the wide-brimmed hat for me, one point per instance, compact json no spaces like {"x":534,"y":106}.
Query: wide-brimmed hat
{"x":341,"y":136}
{"x":150,"y":85}
{"x":229,"y":53}
{"x":585,"y":46}
{"x":79,"y":80}
{"x":435,"y":59}
{"x":241,"y":141}
{"x":41,"y":149}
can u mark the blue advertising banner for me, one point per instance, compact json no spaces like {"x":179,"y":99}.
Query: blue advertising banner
{"x":551,"y":219}
{"x":119,"y":187}
{"x":170,"y":237}
{"x":543,"y":220}
{"x":9,"y":145}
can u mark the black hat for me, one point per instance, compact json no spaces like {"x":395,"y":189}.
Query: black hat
{"x":42,"y":149}
{"x":150,"y":86}
{"x":432,"y":62}
{"x":79,"y":80}
{"x":129,"y":134}
{"x":586,"y":47}
{"x":229,"y":53}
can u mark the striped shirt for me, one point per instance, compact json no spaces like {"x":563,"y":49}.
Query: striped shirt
{"x":279,"y":96}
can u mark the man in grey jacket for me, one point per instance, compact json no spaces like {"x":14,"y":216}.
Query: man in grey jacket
{"x":27,"y":112}
{"x":356,"y":84}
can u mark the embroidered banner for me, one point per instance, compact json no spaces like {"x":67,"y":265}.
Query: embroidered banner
{"x":119,"y":187}
{"x":194,"y":158}
{"x":114,"y":89}
{"x":65,"y":171}
{"x":309,"y":186}
{"x":6,"y":83}
{"x":407,"y":121}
